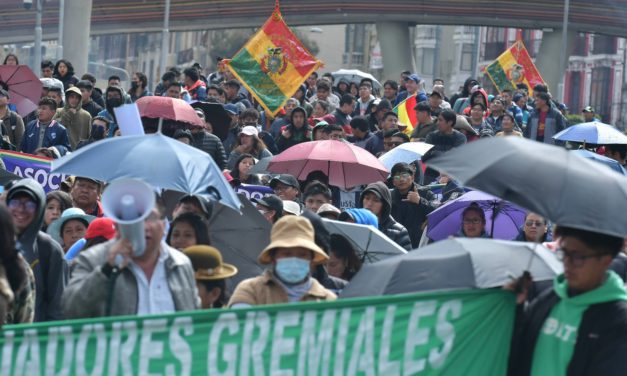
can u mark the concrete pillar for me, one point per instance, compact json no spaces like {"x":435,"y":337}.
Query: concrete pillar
{"x":396,"y":48}
{"x":76,"y":34}
{"x":547,"y":60}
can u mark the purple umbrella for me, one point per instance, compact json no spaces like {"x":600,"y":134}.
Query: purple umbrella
{"x":447,"y":220}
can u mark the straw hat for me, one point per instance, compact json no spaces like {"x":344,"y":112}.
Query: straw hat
{"x":289,"y":232}
{"x":207,"y":263}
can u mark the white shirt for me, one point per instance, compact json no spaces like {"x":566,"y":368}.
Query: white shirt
{"x":154,"y":296}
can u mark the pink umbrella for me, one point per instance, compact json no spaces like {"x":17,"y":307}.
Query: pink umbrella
{"x":23,"y":85}
{"x":168,"y":108}
{"x":346,"y":165}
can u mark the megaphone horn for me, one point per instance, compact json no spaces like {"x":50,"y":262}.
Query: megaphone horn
{"x":128,"y":202}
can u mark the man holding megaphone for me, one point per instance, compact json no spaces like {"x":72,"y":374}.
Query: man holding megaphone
{"x":135,"y":273}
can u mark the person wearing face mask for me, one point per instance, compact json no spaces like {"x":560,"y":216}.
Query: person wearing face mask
{"x":292,"y":253}
{"x":115,"y":98}
{"x":99,"y":130}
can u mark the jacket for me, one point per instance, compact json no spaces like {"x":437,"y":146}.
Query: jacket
{"x":299,"y":135}
{"x":45,"y":257}
{"x":13,"y":127}
{"x":198,"y":91}
{"x":210,"y":144}
{"x":422,"y":130}
{"x":411,"y":215}
{"x":88,"y":291}
{"x":265,"y":289}
{"x":92,"y":107}
{"x":264,"y":153}
{"x":55,"y":135}
{"x":601,"y":337}
{"x":554,"y":123}
{"x":76,"y":121}
{"x":392,"y":229}
{"x":443,"y":142}
{"x":22,"y":309}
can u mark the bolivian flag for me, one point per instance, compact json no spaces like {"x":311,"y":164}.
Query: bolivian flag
{"x":407,"y":114}
{"x":513,"y":67}
{"x":273,"y":64}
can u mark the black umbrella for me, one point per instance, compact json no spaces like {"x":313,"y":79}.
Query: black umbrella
{"x":456,"y":263}
{"x":6,"y":177}
{"x":562,"y":186}
{"x":217,"y":116}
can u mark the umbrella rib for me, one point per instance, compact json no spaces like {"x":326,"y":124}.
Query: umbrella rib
{"x":13,"y":74}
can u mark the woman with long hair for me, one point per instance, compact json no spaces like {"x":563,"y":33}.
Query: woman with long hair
{"x":241,"y":171}
{"x":56,"y":203}
{"x":248,"y":142}
{"x":186,"y":230}
{"x":343,"y":260}
{"x":11,"y":59}
{"x":64,"y":72}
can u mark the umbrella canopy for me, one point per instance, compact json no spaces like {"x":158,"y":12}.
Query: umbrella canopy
{"x":6,"y":177}
{"x":354,"y":75}
{"x":168,"y":108}
{"x":240,"y":238}
{"x":156,"y":159}
{"x":456,"y":263}
{"x":593,"y":132}
{"x":609,"y":162}
{"x":446,"y":220}
{"x":345,"y":164}
{"x":217,"y":116}
{"x":371,"y":244}
{"x":545,"y":179}
{"x":261,"y":167}
{"x":23,"y":85}
{"x":407,"y":152}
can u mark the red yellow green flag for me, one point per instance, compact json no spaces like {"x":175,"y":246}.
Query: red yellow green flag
{"x":273,"y":64}
{"x":407,"y":114}
{"x":513,"y":67}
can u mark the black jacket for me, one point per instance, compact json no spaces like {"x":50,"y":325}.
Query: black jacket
{"x":394,"y":230}
{"x":211,"y":145}
{"x":411,"y":215}
{"x":601,"y":338}
{"x":93,"y":108}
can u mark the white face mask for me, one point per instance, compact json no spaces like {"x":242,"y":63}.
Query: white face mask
{"x":292,"y":269}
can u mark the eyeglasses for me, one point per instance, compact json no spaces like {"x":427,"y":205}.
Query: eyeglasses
{"x":402,"y":176}
{"x":573,"y":258}
{"x":534,"y":223}
{"x":474,"y":221}
{"x":28,"y":205}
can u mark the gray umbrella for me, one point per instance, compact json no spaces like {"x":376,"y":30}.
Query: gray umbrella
{"x":261,"y":167}
{"x":240,"y":238}
{"x":562,"y":186}
{"x":456,"y":263}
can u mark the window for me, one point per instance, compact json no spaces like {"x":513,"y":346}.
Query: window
{"x":531,"y":41}
{"x":426,"y":66}
{"x":465,"y":62}
{"x":600,"y":87}
{"x":580,"y":45}
{"x":494,"y":43}
{"x":574,"y":90}
{"x":603,"y":44}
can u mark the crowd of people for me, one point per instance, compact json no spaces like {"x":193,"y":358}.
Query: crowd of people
{"x":180,"y":269}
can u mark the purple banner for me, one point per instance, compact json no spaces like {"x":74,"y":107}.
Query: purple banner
{"x":254,"y":191}
{"x":31,"y":166}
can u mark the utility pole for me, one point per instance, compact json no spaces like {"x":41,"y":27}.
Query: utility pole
{"x":165,"y":37}
{"x":38,"y":35}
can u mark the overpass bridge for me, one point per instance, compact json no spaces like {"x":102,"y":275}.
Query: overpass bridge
{"x":393,"y":17}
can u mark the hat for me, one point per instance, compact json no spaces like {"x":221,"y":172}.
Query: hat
{"x":328,"y":209}
{"x":84,"y":84}
{"x":414,"y":77}
{"x":76,"y":178}
{"x":101,"y":227}
{"x":286,"y":179}
{"x":289,"y":232}
{"x":588,"y":109}
{"x":207,"y":263}
{"x":272,"y":202}
{"x":517,"y":97}
{"x":438,"y":90}
{"x":291,"y":207}
{"x":249,"y":130}
{"x":55,"y":227}
{"x":231,"y":109}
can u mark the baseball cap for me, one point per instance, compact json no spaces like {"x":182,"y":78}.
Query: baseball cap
{"x":76,"y":178}
{"x":231,"y":109}
{"x":588,"y":109}
{"x":414,"y":77}
{"x":249,"y":130}
{"x":286,"y":179}
{"x":272,"y":202}
{"x":101,"y":227}
{"x":291,"y":207}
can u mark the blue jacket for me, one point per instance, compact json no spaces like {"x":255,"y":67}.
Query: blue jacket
{"x":56,"y":135}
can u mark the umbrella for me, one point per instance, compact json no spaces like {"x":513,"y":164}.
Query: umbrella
{"x":217,"y":116}
{"x":240,"y":238}
{"x":609,"y":162}
{"x":168,"y":108}
{"x":23,"y":85}
{"x":7,"y":177}
{"x":593,"y":132}
{"x":159,"y":160}
{"x":371,"y":244}
{"x":354,"y":75}
{"x":457,"y":263}
{"x":407,"y":152}
{"x":446,"y":220}
{"x":551,"y":181}
{"x":261,"y":167}
{"x":345,"y":164}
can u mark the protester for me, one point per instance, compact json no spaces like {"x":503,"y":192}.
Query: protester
{"x":11,"y":59}
{"x":446,"y":137}
{"x":76,"y":120}
{"x":329,"y":211}
{"x":588,"y":114}
{"x":114,"y":98}
{"x":186,"y":230}
{"x":87,"y":104}
{"x":139,"y":86}
{"x":286,"y":187}
{"x":473,"y":222}
{"x":86,"y":195}
{"x":45,"y":131}
{"x":211,"y":274}
{"x":508,"y":125}
{"x":195,"y":87}
{"x":56,"y":203}
{"x":343,"y":260}
{"x":361,"y":131}
{"x":315,"y":195}
{"x":248,"y":142}
{"x":192,"y":204}
{"x":425,"y":123}
{"x":70,"y":227}
{"x":241,"y":170}
{"x":270,"y":206}
{"x":360,"y":216}
{"x":291,"y":253}
{"x":26,"y":199}
{"x":64,"y":72}
{"x":12,"y":123}
{"x":99,"y":130}
{"x":296,"y":132}
{"x":159,"y":280}
{"x":365,"y":102}
{"x":535,"y":229}
{"x":545,"y":122}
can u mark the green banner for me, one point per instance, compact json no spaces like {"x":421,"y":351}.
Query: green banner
{"x":451,"y":333}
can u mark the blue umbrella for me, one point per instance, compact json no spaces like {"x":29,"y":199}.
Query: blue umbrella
{"x":160,"y":161}
{"x":593,"y":132}
{"x":609,"y":162}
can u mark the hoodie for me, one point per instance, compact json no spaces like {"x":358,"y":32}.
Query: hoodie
{"x":394,"y":230}
{"x":108,"y":113}
{"x":77,"y":121}
{"x":363,"y":217}
{"x":43,"y":254}
{"x":302,"y":134}
{"x":558,"y":336}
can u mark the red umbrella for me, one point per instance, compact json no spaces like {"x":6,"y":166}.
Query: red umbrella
{"x":23,"y":85}
{"x":345,"y":164}
{"x":168,"y":108}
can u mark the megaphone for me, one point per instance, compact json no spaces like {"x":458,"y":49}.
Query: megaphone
{"x":128,"y":202}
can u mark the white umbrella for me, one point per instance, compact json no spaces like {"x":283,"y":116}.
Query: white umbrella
{"x":354,"y":75}
{"x":407,"y":152}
